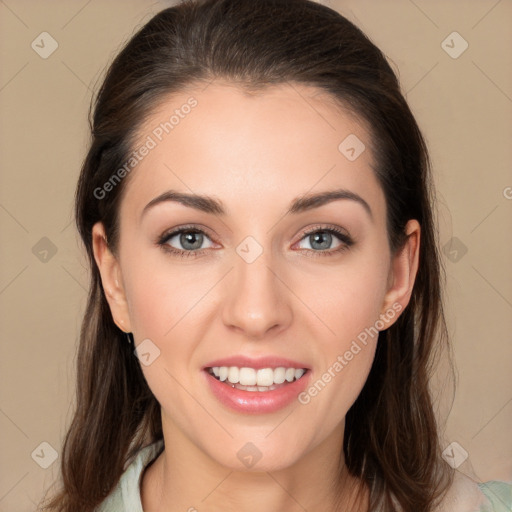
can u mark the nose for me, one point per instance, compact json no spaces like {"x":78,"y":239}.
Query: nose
{"x":256,"y":300}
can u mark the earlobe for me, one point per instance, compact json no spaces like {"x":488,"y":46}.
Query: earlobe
{"x":403,"y":271}
{"x":111,"y":278}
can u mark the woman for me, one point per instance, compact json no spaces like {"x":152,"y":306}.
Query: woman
{"x":265,"y":299}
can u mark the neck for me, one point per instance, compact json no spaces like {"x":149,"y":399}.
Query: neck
{"x":185,"y":478}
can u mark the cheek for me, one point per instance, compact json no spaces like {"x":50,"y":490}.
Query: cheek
{"x":164,"y":303}
{"x":350,"y":299}
{"x":351,"y":310}
{"x":160,"y":295}
{"x":349,"y":302}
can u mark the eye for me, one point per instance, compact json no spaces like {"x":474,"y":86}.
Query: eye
{"x":320,"y":240}
{"x":186,"y":241}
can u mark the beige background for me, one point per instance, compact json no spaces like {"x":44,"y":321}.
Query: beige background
{"x":463,"y":105}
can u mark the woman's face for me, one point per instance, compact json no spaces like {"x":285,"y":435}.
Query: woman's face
{"x":266,"y":278}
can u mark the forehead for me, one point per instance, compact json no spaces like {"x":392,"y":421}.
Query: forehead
{"x":251,"y":147}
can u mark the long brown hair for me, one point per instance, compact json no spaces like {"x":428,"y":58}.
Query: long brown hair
{"x":391,"y":438}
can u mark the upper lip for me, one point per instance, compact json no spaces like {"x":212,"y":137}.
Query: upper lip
{"x":256,"y":362}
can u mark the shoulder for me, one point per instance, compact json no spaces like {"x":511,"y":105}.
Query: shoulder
{"x":499,"y":495}
{"x":467,"y":495}
{"x":126,"y":494}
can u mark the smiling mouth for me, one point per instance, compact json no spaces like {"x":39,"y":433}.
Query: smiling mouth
{"x":281,"y":378}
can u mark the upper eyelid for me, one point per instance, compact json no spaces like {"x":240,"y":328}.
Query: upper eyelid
{"x":175,"y":231}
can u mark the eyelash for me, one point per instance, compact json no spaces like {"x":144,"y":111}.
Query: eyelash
{"x":344,"y":238}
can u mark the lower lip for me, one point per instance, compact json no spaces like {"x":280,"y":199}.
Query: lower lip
{"x":257,"y":402}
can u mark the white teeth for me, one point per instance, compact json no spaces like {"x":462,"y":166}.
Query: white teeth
{"x":247,"y":377}
{"x":223,"y":373}
{"x":279,"y":375}
{"x":263,"y":377}
{"x":233,"y":374}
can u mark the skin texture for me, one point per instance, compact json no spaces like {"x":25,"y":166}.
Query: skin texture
{"x":256,"y":153}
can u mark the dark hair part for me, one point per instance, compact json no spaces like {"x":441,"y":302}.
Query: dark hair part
{"x":391,"y":438}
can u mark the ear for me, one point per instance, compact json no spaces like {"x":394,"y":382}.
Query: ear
{"x":111,"y":278}
{"x":402,"y":274}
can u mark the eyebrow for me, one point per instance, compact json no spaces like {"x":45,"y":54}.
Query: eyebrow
{"x":300,"y":204}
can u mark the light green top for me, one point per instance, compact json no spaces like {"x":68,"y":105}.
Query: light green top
{"x":126,"y":495}
{"x":499,"y":495}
